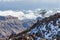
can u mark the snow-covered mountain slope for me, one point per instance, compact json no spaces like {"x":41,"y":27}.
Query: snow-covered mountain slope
{"x":49,"y":28}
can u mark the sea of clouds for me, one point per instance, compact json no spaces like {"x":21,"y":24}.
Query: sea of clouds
{"x":29,"y":14}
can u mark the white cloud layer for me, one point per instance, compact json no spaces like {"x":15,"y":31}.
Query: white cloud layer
{"x":30,"y":14}
{"x":18,"y":14}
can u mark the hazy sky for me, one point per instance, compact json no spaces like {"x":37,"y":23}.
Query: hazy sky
{"x":29,"y":4}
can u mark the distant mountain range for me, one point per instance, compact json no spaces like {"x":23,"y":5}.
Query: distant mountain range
{"x":10,"y":24}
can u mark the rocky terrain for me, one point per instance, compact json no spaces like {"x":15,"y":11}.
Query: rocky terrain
{"x":46,"y":29}
{"x":10,"y":24}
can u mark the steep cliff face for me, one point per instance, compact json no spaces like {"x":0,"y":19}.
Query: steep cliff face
{"x":10,"y":24}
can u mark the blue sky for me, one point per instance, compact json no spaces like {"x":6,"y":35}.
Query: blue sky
{"x":29,"y":4}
